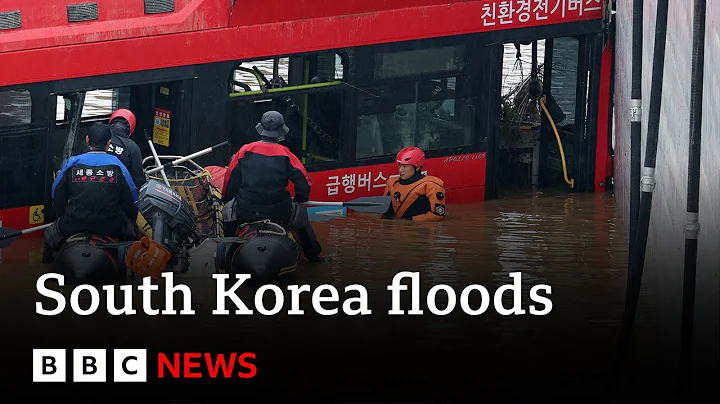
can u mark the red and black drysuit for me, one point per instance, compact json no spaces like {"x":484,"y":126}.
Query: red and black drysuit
{"x":259,"y":174}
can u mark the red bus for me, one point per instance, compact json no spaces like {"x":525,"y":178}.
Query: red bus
{"x":356,"y":81}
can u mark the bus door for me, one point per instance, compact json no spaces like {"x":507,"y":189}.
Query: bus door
{"x":308,"y":90}
{"x":84,"y":102}
{"x":549,"y":116}
{"x":162,"y":112}
{"x":571,"y":86}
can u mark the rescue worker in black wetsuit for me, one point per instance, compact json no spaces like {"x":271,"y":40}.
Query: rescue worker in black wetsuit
{"x":122,"y":124}
{"x":93,"y":192}
{"x":415,"y":196}
{"x":257,"y":178}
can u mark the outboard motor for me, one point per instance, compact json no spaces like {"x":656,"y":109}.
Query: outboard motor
{"x":87,"y":259}
{"x":172,"y":220}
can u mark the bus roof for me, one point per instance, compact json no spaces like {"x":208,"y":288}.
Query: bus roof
{"x":56,"y":39}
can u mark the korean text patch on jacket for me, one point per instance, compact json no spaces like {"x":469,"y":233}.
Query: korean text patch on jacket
{"x":94,"y":192}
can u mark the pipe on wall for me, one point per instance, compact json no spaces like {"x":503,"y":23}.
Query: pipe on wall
{"x":692,"y":226}
{"x":634,"y":279}
{"x":635,"y":125}
{"x":648,"y":172}
{"x":641,"y":207}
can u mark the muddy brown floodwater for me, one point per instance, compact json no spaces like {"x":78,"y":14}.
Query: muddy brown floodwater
{"x":575,"y":243}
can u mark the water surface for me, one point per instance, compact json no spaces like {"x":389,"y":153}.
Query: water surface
{"x":574,"y":243}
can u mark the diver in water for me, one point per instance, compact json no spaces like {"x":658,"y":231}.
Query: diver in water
{"x":257,"y":179}
{"x":122,"y":125}
{"x":93,"y":192}
{"x":415,"y":196}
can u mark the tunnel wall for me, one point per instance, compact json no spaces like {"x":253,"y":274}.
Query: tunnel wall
{"x":661,"y":301}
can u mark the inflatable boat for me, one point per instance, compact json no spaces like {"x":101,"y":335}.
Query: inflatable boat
{"x":90,"y":259}
{"x":265,"y":250}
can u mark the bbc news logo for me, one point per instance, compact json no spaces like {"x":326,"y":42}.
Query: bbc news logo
{"x":90,"y":365}
{"x":130,"y":365}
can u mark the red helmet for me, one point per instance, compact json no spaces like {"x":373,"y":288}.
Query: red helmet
{"x":411,"y":155}
{"x":127,"y":114}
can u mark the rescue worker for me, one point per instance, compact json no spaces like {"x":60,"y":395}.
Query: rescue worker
{"x":415,"y":196}
{"x":93,"y":192}
{"x":257,"y":178}
{"x":122,"y":124}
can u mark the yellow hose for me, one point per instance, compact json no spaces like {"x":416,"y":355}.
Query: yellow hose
{"x":570,"y":182}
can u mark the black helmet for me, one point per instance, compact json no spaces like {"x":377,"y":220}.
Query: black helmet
{"x":272,"y":124}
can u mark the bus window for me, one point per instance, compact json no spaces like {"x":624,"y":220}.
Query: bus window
{"x":318,"y":144}
{"x":244,"y":78}
{"x":442,"y":59}
{"x":314,"y":133}
{"x":564,"y":78}
{"x":98,"y":103}
{"x":15,"y":108}
{"x":328,"y":67}
{"x":306,"y":90}
{"x":23,"y":142}
{"x":432,"y":114}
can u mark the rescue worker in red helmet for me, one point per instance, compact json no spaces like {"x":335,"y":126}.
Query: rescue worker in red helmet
{"x":122,"y":124}
{"x":415,"y":196}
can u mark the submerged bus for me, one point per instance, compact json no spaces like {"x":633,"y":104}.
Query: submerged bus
{"x":356,"y":82}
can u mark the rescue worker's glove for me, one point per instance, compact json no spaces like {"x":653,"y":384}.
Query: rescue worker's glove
{"x":147,"y":257}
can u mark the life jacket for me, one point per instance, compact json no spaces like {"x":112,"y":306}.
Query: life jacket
{"x":421,"y":198}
